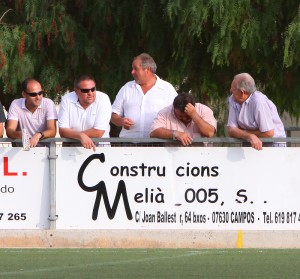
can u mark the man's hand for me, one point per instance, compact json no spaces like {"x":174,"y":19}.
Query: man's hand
{"x":184,"y":138}
{"x":34,"y":140}
{"x":255,"y":142}
{"x":87,"y":142}
{"x":248,"y":135}
{"x":127,"y":123}
{"x":190,"y":110}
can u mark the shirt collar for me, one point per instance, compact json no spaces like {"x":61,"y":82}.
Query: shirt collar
{"x":24,"y":106}
{"x":73,"y":97}
{"x":249,"y":98}
{"x":158,"y":83}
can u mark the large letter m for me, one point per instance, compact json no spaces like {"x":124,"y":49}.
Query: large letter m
{"x":101,"y":191}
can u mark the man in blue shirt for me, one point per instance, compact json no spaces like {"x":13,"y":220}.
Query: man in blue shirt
{"x":251,"y":114}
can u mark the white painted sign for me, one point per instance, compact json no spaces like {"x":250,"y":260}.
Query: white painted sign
{"x":24,"y":188}
{"x":209,"y":188}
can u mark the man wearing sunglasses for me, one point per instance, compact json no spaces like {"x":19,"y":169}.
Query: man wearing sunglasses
{"x":184,"y":121}
{"x":84,"y":113}
{"x":33,"y":112}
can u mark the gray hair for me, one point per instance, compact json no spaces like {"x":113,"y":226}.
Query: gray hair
{"x":245,"y":82}
{"x":147,"y":62}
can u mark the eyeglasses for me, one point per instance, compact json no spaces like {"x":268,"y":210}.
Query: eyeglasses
{"x":83,"y":90}
{"x":34,"y":94}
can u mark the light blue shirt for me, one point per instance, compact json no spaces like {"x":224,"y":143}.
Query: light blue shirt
{"x":256,"y":113}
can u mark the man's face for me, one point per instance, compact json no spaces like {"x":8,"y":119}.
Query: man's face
{"x":182,"y":116}
{"x":33,"y":94}
{"x":139,"y":74}
{"x":86,"y":92}
{"x":237,"y":94}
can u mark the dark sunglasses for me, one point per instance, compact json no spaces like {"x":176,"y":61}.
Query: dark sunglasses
{"x":83,"y":90}
{"x":34,"y":94}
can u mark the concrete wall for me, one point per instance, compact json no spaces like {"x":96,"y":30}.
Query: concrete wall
{"x":148,"y":239}
{"x":152,"y":238}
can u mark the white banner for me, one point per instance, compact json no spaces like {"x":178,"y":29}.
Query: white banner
{"x":209,"y":188}
{"x":24,"y":188}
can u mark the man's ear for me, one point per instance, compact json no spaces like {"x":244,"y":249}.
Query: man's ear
{"x":23,"y":94}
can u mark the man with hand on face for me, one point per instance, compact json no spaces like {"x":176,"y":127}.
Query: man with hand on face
{"x":84,"y":113}
{"x":138,"y":102}
{"x":184,"y":121}
{"x":34,"y":113}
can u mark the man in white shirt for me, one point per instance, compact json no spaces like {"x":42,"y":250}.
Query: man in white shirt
{"x":33,"y":112}
{"x":84,"y":113}
{"x":138,"y":102}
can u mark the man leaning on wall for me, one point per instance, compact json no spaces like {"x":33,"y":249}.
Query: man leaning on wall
{"x":33,"y":113}
{"x":85,"y":113}
{"x":251,"y":114}
{"x":184,"y":121}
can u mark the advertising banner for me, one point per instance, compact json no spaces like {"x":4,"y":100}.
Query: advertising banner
{"x":209,"y":188}
{"x":24,"y":188}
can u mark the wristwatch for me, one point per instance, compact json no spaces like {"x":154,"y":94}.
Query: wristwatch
{"x":42,"y":135}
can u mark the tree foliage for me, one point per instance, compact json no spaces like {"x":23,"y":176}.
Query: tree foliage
{"x":198,"y":45}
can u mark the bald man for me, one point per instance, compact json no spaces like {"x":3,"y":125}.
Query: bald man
{"x":34,"y":112}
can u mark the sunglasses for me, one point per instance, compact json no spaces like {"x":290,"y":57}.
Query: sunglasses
{"x":83,"y":90}
{"x":34,"y":94}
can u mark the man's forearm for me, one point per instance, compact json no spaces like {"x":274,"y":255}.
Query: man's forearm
{"x":235,"y":132}
{"x":162,"y":133}
{"x":70,"y":133}
{"x":13,"y":134}
{"x":258,"y":133}
{"x":204,"y":128}
{"x":117,"y":119}
{"x":244,"y":133}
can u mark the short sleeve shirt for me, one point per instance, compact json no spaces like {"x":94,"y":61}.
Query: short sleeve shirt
{"x":33,"y":122}
{"x":256,"y":113}
{"x":167,"y":119}
{"x":97,"y":115}
{"x":142,"y":108}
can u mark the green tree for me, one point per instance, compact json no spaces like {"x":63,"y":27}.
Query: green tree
{"x":198,"y":45}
